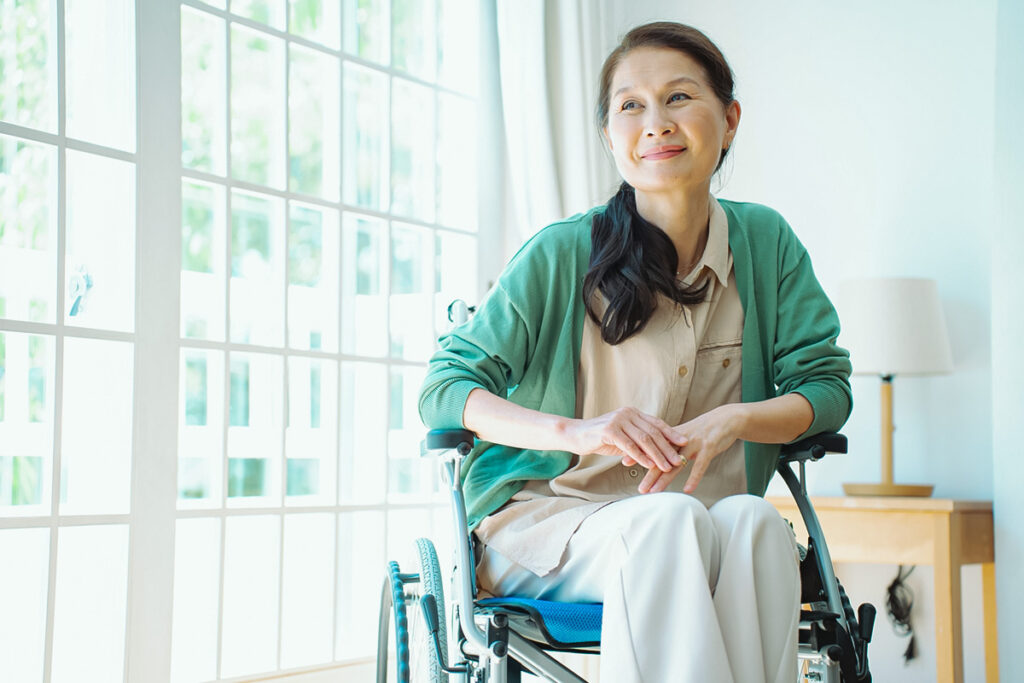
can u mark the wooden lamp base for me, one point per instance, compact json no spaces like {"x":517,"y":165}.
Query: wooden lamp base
{"x":912,"y":490}
{"x":887,"y":487}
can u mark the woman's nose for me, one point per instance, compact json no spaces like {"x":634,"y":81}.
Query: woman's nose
{"x":658,"y":125}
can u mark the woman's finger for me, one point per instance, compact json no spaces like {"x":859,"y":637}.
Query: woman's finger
{"x":656,"y":481}
{"x":649,"y":444}
{"x":700,"y":465}
{"x":671,"y":435}
{"x":656,"y":429}
{"x":650,"y":479}
{"x":629,"y":448}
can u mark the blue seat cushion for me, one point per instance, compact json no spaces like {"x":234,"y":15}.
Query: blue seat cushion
{"x":557,"y":624}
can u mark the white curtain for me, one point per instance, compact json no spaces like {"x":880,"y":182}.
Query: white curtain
{"x":550,"y":54}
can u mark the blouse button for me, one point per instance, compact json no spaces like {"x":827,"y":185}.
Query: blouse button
{"x":683,"y":370}
{"x":725,"y":363}
{"x":634,"y":473}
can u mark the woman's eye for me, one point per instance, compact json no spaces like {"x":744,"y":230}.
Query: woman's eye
{"x":678,"y":97}
{"x":628,"y":105}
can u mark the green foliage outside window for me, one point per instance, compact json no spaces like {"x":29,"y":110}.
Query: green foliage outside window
{"x":37,"y":361}
{"x":305,"y":247}
{"x":246,"y":477}
{"x":257,"y":10}
{"x":21,"y":477}
{"x":406,"y":262}
{"x":407,"y":33}
{"x":315,"y":374}
{"x":195,"y":328}
{"x":251,"y":134}
{"x":239,"y":393}
{"x":24,"y":182}
{"x":250,"y":233}
{"x":303,"y":476}
{"x":198,"y":58}
{"x":24,"y":65}
{"x":197,"y":230}
{"x":306,"y":121}
{"x":37,"y":310}
{"x":367,"y":266}
{"x":195,"y":392}
{"x":364,"y":30}
{"x":305,"y":16}
{"x":396,"y":401}
{"x":192,"y":475}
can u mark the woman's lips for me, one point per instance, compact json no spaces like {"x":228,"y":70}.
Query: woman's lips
{"x":663,"y":153}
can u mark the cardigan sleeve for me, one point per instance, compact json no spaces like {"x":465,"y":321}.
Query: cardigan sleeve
{"x":494,"y":349}
{"x":807,"y":358}
{"x":490,"y":351}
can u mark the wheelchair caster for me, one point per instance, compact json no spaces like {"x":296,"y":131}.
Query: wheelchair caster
{"x":409,"y":655}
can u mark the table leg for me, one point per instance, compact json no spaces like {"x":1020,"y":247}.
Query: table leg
{"x":949,"y":663}
{"x":988,"y":588}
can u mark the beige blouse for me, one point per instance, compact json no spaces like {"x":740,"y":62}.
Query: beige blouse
{"x":685,"y":362}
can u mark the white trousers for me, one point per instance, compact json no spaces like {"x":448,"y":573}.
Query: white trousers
{"x":690,"y":594}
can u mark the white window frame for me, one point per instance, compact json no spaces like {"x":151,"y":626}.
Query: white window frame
{"x":156,"y":339}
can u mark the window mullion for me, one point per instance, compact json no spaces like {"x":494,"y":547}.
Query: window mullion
{"x":157,"y":349}
{"x":58,"y":371}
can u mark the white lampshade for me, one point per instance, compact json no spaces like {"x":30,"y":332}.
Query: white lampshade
{"x":894,"y":326}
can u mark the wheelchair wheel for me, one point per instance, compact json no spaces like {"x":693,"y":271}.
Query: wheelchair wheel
{"x":407,"y":655}
{"x":423,"y":659}
{"x":393,"y":651}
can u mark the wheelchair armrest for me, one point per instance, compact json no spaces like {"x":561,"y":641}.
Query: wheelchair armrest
{"x":813,"y":447}
{"x":445,"y":439}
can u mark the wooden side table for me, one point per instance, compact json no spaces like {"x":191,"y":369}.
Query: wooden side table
{"x":945,"y":534}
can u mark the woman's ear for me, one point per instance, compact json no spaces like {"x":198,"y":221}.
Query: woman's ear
{"x":607,"y":138}
{"x":732,"y":122}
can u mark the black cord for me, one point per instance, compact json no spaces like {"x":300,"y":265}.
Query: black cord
{"x":899,"y":602}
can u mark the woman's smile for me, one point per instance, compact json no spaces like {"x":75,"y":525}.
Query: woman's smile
{"x":663,"y":152}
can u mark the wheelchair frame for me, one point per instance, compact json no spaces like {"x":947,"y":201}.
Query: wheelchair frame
{"x":833,"y":641}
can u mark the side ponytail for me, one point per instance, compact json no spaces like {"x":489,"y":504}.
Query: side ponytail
{"x":631,"y":262}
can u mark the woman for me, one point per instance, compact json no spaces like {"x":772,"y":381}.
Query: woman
{"x":638,"y":365}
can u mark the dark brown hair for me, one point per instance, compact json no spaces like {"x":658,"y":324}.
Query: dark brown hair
{"x":631,"y":260}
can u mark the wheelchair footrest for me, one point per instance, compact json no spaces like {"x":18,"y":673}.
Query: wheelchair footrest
{"x":558,"y":625}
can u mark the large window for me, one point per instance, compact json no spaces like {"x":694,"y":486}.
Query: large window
{"x":67,"y":305}
{"x":327,"y":183}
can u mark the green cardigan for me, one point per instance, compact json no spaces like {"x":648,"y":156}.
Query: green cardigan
{"x":524,"y":344}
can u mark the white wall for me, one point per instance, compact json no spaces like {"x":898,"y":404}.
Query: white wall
{"x":871,"y":127}
{"x":1007,"y":331}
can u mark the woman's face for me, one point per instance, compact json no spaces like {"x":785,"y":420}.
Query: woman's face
{"x":666,"y":127}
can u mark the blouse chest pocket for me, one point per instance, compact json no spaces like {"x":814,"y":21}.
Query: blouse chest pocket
{"x":717,"y":372}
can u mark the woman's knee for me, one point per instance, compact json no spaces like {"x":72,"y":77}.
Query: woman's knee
{"x":744,"y":505}
{"x":665,"y":517}
{"x":752,"y":513}
{"x":668,"y":533}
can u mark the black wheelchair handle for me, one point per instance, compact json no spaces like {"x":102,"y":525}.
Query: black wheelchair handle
{"x":441,"y":439}
{"x":814,"y":447}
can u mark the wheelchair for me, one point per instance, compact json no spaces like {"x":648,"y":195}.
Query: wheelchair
{"x":496,"y":640}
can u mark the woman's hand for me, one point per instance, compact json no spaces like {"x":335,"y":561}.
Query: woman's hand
{"x":775,"y":420}
{"x":629,"y":434}
{"x":705,"y":437}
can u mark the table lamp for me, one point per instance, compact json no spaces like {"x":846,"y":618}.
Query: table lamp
{"x":893,"y":326}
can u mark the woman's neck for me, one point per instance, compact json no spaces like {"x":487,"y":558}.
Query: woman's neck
{"x":683,"y":215}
